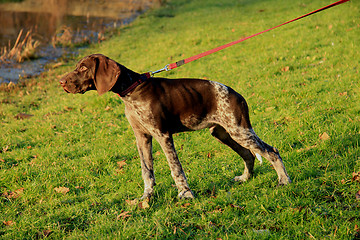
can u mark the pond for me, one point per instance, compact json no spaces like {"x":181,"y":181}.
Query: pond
{"x":54,"y":24}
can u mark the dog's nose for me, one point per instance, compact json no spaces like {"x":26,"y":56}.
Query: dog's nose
{"x":62,"y":82}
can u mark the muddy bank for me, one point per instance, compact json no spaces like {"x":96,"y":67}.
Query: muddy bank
{"x":85,"y":21}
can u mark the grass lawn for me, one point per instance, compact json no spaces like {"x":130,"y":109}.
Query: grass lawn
{"x":70,"y":169}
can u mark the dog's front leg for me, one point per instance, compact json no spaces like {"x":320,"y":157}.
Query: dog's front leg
{"x":177,"y":172}
{"x":144,"y":145}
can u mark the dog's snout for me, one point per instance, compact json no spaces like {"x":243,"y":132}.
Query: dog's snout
{"x":62,"y":82}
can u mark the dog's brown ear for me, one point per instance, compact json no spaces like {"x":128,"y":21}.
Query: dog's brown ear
{"x":106,"y":73}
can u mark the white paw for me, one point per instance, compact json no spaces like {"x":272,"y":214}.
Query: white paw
{"x":186,"y":194}
{"x":284,"y":181}
{"x":242,"y":178}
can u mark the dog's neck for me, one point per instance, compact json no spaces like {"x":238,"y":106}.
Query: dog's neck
{"x":126,"y":79}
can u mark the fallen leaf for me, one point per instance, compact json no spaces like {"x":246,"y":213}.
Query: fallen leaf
{"x":5,"y":148}
{"x":217,"y":210}
{"x":306,"y":149}
{"x":237,"y":206}
{"x":324,"y":136}
{"x":211,"y":224}
{"x":285,"y":69}
{"x":95,"y":204}
{"x":46,"y":233}
{"x":32,"y":163}
{"x":79,"y":187}
{"x":343,"y":94}
{"x":56,"y":65}
{"x":356,"y":176}
{"x":23,"y":116}
{"x":121,"y":164}
{"x":297,"y":209}
{"x":132,"y":202}
{"x":8,"y":223}
{"x":62,"y":190}
{"x":66,"y":108}
{"x":144,"y":204}
{"x":357,"y":195}
{"x":19,"y":191}
{"x":13,"y":194}
{"x":182,"y":230}
{"x":185,"y":205}
{"x":269,"y":109}
{"x":123,"y":215}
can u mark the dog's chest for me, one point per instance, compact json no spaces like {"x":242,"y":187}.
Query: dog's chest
{"x":139,"y":111}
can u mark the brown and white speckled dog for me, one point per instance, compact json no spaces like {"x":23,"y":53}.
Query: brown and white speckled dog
{"x":160,"y":107}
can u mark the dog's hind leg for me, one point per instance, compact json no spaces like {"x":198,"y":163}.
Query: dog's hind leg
{"x":220,"y":133}
{"x":247,"y":138}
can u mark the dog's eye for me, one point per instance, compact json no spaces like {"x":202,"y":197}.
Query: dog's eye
{"x":83,"y":68}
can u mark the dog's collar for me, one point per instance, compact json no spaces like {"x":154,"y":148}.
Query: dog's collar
{"x":143,"y":77}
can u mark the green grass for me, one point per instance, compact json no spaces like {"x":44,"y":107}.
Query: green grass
{"x":300,"y":81}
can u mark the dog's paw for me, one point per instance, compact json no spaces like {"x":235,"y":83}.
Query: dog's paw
{"x":284,"y":181}
{"x":242,"y":178}
{"x":186,"y":194}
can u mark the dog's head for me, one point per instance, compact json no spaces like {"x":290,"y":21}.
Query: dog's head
{"x":94,"y":72}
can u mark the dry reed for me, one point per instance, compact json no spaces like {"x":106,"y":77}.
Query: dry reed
{"x":22,"y":50}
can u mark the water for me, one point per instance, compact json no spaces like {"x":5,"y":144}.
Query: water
{"x":87,"y":20}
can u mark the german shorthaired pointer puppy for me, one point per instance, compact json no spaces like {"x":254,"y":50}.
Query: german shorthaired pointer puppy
{"x":160,"y":107}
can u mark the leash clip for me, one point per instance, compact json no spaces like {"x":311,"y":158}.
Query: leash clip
{"x":166,"y":68}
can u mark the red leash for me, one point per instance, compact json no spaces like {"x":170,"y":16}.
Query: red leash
{"x":145,"y":76}
{"x":190,"y":59}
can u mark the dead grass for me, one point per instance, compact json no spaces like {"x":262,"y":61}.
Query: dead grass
{"x":63,"y":37}
{"x":22,"y":50}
